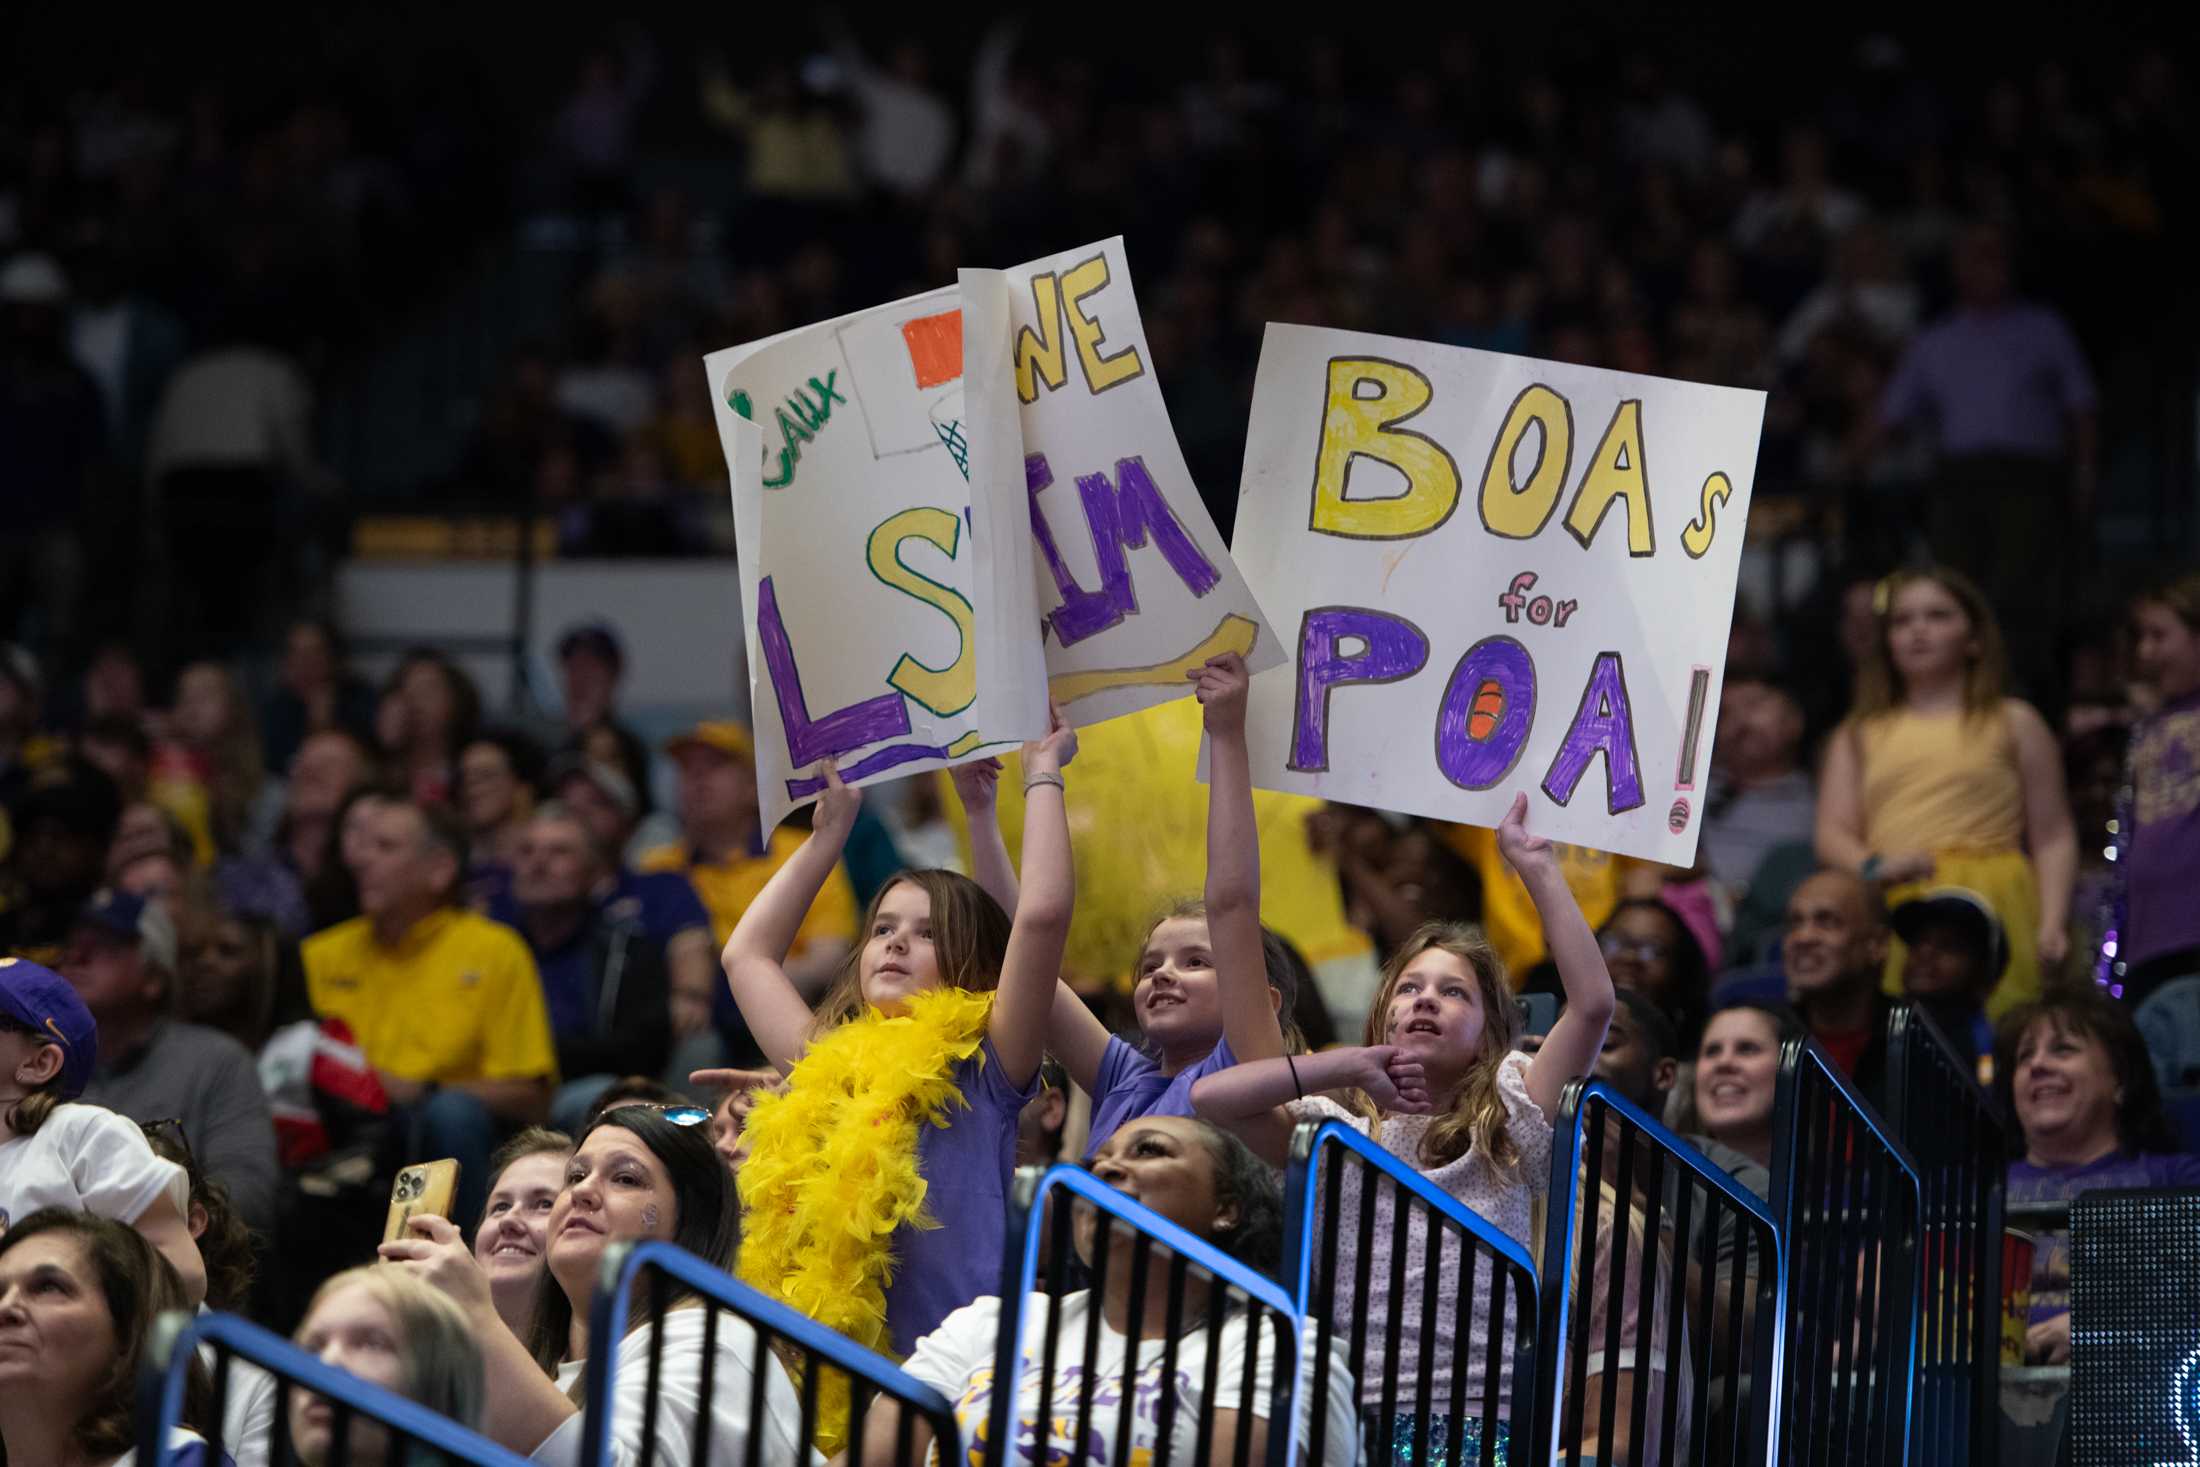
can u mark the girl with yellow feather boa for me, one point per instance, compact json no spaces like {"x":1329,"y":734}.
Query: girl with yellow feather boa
{"x":875,"y":1190}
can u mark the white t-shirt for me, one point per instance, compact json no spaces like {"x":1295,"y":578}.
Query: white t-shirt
{"x":185,"y":1449}
{"x":678,"y":1392}
{"x":248,"y":1408}
{"x":957,"y":1360}
{"x":87,"y":1159}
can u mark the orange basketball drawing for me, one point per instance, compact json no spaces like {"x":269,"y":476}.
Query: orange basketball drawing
{"x":1488,"y":707}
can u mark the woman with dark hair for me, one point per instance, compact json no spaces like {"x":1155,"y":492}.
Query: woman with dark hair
{"x":2075,"y":1073}
{"x":314,"y":691}
{"x":639,"y":1173}
{"x":1211,"y":1184}
{"x":78,"y":1294}
{"x":1737,"y":1071}
{"x":1649,"y":947}
{"x":429,"y":711}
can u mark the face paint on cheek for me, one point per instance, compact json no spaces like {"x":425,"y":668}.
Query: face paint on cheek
{"x":649,"y":1216}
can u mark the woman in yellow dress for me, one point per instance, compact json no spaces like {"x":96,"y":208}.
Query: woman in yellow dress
{"x":1936,"y":779}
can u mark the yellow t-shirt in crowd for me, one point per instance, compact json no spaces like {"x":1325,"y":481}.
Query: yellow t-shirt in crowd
{"x":1598,"y":879}
{"x":728,"y":887}
{"x":456,"y":1000}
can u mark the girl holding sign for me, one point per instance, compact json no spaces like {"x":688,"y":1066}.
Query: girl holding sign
{"x":1211,"y":981}
{"x":1936,"y":779}
{"x":888,"y":1150}
{"x":1440,"y":1084}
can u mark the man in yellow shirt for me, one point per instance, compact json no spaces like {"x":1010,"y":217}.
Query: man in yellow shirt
{"x":728,"y":858}
{"x":445,"y":1005}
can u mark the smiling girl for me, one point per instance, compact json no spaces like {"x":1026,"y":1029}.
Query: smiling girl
{"x":876,"y":1178}
{"x":1439,"y":1083}
{"x":1211,"y":981}
{"x":525,"y":1177}
{"x":1937,"y":779}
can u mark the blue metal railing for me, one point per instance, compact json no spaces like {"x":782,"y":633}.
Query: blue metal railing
{"x":1454,"y":1241}
{"x":1036,"y":1230}
{"x":1950,"y":1125}
{"x":1735,"y":1227}
{"x":173,"y":1351}
{"x":719,"y":1292}
{"x":1848,"y":1200}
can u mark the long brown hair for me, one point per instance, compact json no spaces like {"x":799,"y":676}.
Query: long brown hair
{"x":239,"y":771}
{"x":1476,"y":1119}
{"x":1879,"y":689}
{"x":2141,"y":1124}
{"x":2178,"y":595}
{"x":969,"y":943}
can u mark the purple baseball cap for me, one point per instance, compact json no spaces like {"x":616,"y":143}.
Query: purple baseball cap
{"x":42,"y":1001}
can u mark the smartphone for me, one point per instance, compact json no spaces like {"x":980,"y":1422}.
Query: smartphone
{"x":1538,"y":1012}
{"x":426,"y":1189}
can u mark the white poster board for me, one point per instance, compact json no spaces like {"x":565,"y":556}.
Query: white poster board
{"x":878,"y":634}
{"x":1495,"y":574}
{"x":1135,"y":584}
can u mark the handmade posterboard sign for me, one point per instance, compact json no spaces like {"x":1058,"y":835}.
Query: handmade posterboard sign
{"x":878,"y":634}
{"x":1495,"y":574}
{"x":1136,"y":586}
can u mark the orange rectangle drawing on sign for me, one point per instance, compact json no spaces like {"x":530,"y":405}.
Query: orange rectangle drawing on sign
{"x":935,"y":347}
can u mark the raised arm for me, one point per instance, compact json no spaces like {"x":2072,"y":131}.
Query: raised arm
{"x":756,"y":955}
{"x":976,"y":784}
{"x":1570,"y":1050}
{"x":1839,"y":834}
{"x":2048,"y":829}
{"x":1033,"y":966}
{"x":1253,"y":1100}
{"x":1249,"y":1021}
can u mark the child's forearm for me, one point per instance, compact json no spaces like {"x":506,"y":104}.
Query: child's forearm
{"x":1573,"y":946}
{"x":770,"y":924}
{"x":989,"y":863}
{"x":1249,"y":1023}
{"x":1244,"y":1091}
{"x":1033,"y":962}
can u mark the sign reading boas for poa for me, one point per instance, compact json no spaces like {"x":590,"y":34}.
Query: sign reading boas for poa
{"x":1494,"y":574}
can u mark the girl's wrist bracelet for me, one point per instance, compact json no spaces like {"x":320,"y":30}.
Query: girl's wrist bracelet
{"x":1295,"y":1085}
{"x":1031,"y":781}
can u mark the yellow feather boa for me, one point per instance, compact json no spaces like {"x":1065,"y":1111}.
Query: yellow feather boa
{"x":832,"y":1172}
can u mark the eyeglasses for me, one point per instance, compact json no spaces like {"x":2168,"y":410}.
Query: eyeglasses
{"x":171,"y":1126}
{"x":1641,"y":952}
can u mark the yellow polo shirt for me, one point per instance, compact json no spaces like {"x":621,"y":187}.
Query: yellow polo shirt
{"x":1598,"y":881}
{"x":728,"y":887}
{"x":456,"y":1000}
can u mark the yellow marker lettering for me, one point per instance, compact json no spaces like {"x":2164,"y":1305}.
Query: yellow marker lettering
{"x":954,"y":687}
{"x":1696,"y":539}
{"x":1232,"y":634}
{"x":1039,"y":353}
{"x":1101,"y":372}
{"x":1616,"y":471}
{"x":1520,"y":511}
{"x":1357,"y":424}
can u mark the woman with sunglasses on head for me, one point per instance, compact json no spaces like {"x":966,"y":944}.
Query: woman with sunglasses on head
{"x":639,"y":1173}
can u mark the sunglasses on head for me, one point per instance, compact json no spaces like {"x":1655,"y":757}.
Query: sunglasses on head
{"x":679,"y":1115}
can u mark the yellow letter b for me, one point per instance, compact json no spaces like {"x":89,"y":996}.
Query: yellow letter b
{"x":1368,"y":398}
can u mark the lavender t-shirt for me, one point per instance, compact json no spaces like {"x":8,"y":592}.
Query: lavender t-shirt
{"x":2051,"y":1246}
{"x":966,"y":1165}
{"x":1130,"y":1084}
{"x":2165,"y":834}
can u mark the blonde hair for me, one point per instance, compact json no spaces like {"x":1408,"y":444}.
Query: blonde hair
{"x":1879,"y":689}
{"x":969,"y":942}
{"x":441,"y":1366}
{"x":2179,"y":596}
{"x":1476,"y":1120}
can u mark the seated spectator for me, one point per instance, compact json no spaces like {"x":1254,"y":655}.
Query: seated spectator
{"x":1212,"y":1185}
{"x":618,"y":747}
{"x":591,"y":665}
{"x":329,"y":767}
{"x":57,"y":1153}
{"x":1759,"y":797}
{"x":214,"y":732}
{"x":78,"y":1297}
{"x":664,"y":903}
{"x":525,"y":1177}
{"x":1038,"y":1128}
{"x":1834,"y":953}
{"x":153,"y":1066}
{"x":332,"y":893}
{"x":1639,"y":1060}
{"x":1648,"y":947}
{"x":236,"y":974}
{"x":728,"y":856}
{"x":393,"y":1331}
{"x":1956,"y":953}
{"x":428,"y":712}
{"x":1737,"y":1075}
{"x":118,"y":747}
{"x":729,"y":1120}
{"x":314,"y":693}
{"x":638,"y":1174}
{"x":2075,"y":1073}
{"x":499,"y":780}
{"x":63,"y":825}
{"x":445,"y":1005}
{"x":248,"y":1409}
{"x":635,"y":1090}
{"x":602,"y":976}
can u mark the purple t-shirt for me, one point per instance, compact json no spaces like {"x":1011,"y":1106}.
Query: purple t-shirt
{"x":1999,"y":381}
{"x":1130,"y":1084}
{"x":966,"y":1165}
{"x":2051,"y":1246}
{"x":2162,"y":917}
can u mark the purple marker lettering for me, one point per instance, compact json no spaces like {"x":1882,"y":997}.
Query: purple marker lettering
{"x":809,"y":740}
{"x":1121,"y":516}
{"x":1082,"y":612}
{"x":1396,"y":649}
{"x":1604,"y":722}
{"x":1489,"y":706}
